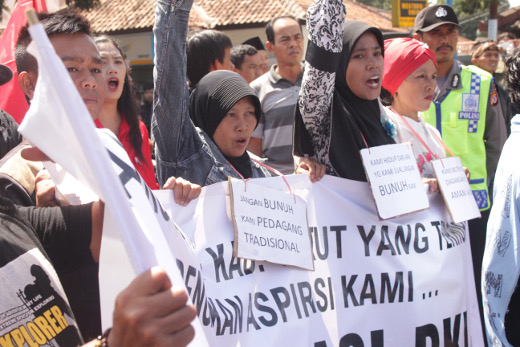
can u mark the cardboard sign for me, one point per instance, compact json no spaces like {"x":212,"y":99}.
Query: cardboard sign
{"x":455,"y":189}
{"x":394,"y":180}
{"x":269,"y":225}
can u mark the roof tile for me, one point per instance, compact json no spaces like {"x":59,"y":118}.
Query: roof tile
{"x":116,"y":16}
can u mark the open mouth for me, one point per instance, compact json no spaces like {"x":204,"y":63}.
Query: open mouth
{"x":242,"y":141}
{"x":373,"y":82}
{"x":113,"y":83}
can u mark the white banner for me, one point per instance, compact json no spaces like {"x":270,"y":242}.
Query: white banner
{"x":403,"y":282}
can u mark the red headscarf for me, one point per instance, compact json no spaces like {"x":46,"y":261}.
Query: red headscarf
{"x":402,"y":57}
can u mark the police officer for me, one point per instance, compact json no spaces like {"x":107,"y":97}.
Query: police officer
{"x":467,"y":113}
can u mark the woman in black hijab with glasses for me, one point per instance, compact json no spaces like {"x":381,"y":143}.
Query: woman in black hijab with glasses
{"x":339,"y":112}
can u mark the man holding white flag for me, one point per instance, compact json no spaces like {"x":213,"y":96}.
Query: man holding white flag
{"x":149,"y":311}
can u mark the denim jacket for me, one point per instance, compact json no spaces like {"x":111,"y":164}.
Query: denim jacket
{"x":182,"y":150}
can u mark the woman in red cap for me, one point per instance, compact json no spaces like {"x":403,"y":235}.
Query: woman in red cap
{"x":410,"y":78}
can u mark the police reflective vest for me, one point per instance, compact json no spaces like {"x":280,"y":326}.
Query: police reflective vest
{"x":461,"y":118}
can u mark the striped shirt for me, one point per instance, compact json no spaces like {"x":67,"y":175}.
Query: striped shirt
{"x":278,"y":97}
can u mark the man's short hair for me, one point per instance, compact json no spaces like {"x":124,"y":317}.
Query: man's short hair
{"x":65,"y":21}
{"x":202,"y":49}
{"x":269,"y":31}
{"x":239,"y":52}
{"x":483,"y":46}
{"x":513,"y":76}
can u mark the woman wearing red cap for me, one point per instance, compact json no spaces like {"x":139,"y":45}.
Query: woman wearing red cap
{"x":409,"y":78}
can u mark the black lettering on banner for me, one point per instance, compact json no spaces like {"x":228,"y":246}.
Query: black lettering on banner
{"x":437,"y":225}
{"x":197,"y":294}
{"x":368,"y":290}
{"x":319,"y":282}
{"x":210,"y":315}
{"x":348,"y":291}
{"x":295,"y":301}
{"x":385,"y":243}
{"x":377,"y":338}
{"x":306,"y":298}
{"x":449,"y":339}
{"x":428,"y":335}
{"x":218,"y":261}
{"x":354,"y":340}
{"x":400,"y":239}
{"x":281,"y":304}
{"x":351,"y":340}
{"x":228,"y":319}
{"x":338,"y":229}
{"x":234,"y":266}
{"x":392,"y":292}
{"x":325,"y":253}
{"x":266,"y":309}
{"x":366,"y":238}
{"x":250,"y":317}
{"x":130,"y":172}
{"x":416,"y":246}
{"x":239,"y":312}
{"x":249,"y":266}
{"x":238,"y":266}
{"x":324,"y":238}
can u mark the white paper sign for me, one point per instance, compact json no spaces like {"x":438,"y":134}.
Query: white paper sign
{"x":455,"y":189}
{"x":394,"y":179}
{"x":270,"y":225}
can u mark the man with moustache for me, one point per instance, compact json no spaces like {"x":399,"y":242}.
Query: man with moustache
{"x":278,"y":91}
{"x":466,"y":110}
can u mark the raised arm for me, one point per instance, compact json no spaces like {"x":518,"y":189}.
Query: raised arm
{"x":171,"y":125}
{"x":325,"y":21}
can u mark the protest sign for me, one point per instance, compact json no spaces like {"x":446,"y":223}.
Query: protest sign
{"x":402,"y":282}
{"x":455,"y":189}
{"x":269,"y":224}
{"x":394,"y":180}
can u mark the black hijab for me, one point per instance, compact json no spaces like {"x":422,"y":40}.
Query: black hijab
{"x":215,"y":95}
{"x":352,"y":118}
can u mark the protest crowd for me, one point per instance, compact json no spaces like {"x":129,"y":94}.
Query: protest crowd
{"x":216,"y":110}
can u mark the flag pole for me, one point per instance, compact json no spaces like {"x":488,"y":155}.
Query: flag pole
{"x":31,"y":16}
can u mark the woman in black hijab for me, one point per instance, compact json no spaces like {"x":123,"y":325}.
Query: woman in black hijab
{"x":227,"y":110}
{"x":338,"y":111}
{"x":224,"y":111}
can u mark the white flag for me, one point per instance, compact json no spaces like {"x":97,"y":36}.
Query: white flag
{"x":59,"y":124}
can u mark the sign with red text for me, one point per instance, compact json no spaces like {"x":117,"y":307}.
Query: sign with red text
{"x":455,"y":189}
{"x":269,"y":224}
{"x":394,"y":180}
